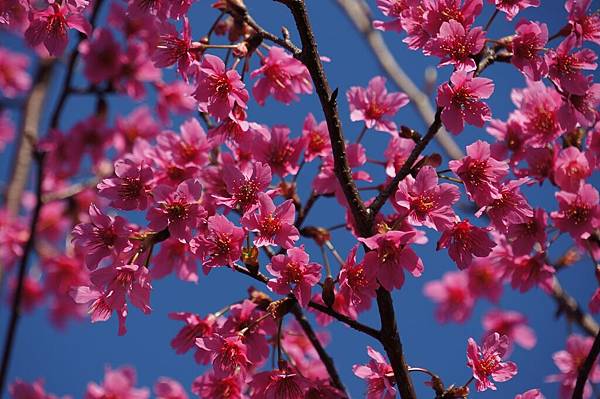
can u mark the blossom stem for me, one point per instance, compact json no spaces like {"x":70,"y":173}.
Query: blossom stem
{"x":469,"y":382}
{"x":489,"y":22}
{"x":361,"y":134}
{"x":302,"y":163}
{"x":450,"y":178}
{"x":326,"y":261}
{"x":586,"y":368}
{"x":334,"y":252}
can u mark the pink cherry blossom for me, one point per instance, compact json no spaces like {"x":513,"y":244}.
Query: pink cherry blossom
{"x":119,"y":383}
{"x":461,"y":101}
{"x":579,"y":212}
{"x":527,"y":271}
{"x":279,"y":384}
{"x":526,"y":46}
{"x":14,"y":78}
{"x":374,"y":105}
{"x":274,"y":224}
{"x":137,"y":69}
{"x":104,"y":236}
{"x":175,"y":255}
{"x":209,"y":386}
{"x":456,"y":45}
{"x":173,"y":49}
{"x":294,"y":274}
{"x":7,"y":130}
{"x":523,"y":236}
{"x":279,"y":151}
{"x":138,"y":124}
{"x":487,"y":361}
{"x":452,"y":294}
{"x":512,"y":324}
{"x":480,"y":173}
{"x":281,"y":76}
{"x":195,"y":327}
{"x":219,"y":89}
{"x":357,"y":282}
{"x":585,"y":26}
{"x":390,"y":254}
{"x":221,"y":244}
{"x":102,"y":56}
{"x":509,"y":138}
{"x":569,"y":362}
{"x":243,"y":186}
{"x":565,"y":68}
{"x":167,"y":388}
{"x":465,"y":241}
{"x":571,"y":169}
{"x":512,"y":7}
{"x":378,"y":375}
{"x":485,"y":278}
{"x":425,"y":202}
{"x":316,"y":138}
{"x":511,"y":208}
{"x":531,"y":394}
{"x":20,"y":389}
{"x":130,"y":188}
{"x":392,"y":9}
{"x":189,"y":147}
{"x":175,"y":98}
{"x":228,"y":354}
{"x":50,"y":27}
{"x":396,"y":153}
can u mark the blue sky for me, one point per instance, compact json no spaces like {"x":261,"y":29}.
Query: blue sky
{"x":68,"y":359}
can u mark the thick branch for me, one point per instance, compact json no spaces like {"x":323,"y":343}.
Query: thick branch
{"x":586,"y":368}
{"x":325,"y":358}
{"x":358,"y":11}
{"x":569,"y":307}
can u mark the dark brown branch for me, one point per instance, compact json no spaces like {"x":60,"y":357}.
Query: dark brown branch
{"x":407,"y":166}
{"x":360,"y":14}
{"x":303,"y":212}
{"x":568,"y":306}
{"x":325,"y":358}
{"x":345,"y":319}
{"x":18,"y":294}
{"x":586,"y":368}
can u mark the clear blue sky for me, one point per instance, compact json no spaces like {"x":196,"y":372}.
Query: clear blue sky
{"x":68,"y":359}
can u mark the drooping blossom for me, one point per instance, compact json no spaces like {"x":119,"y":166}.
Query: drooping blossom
{"x":487,"y":361}
{"x":178,"y":210}
{"x":374,"y":105}
{"x":583,"y":109}
{"x":485,"y":278}
{"x":527,"y":271}
{"x":228,"y":354}
{"x":569,"y":361}
{"x":209,"y":386}
{"x":379,"y":376}
{"x":316,"y":138}
{"x":167,"y":388}
{"x":195,"y":327}
{"x":512,"y":324}
{"x":396,"y":154}
{"x":274,"y":224}
{"x":512,"y":7}
{"x":390,"y":254}
{"x":565,"y":68}
{"x":425,"y":202}
{"x":173,"y":49}
{"x":118,"y":383}
{"x":465,"y":241}
{"x":456,"y":45}
{"x":102,"y":56}
{"x":50,"y":27}
{"x":283,"y":383}
{"x":102,"y":237}
{"x":453,"y":297}
{"x":175,"y":97}
{"x":578,"y":213}
{"x":281,"y":76}
{"x":130,"y":188}
{"x":221,"y":244}
{"x":523,"y":236}
{"x":219,"y":89}
{"x":392,"y":9}
{"x":14,"y":78}
{"x":480,"y":173}
{"x":585,"y":26}
{"x":294,"y":274}
{"x":279,"y":151}
{"x":526,"y":47}
{"x":357,"y":282}
{"x":531,"y":394}
{"x":511,"y":208}
{"x":571,"y":169}
{"x":461,"y":101}
{"x":137,"y":70}
{"x":176,"y":256}
{"x":20,"y":389}
{"x":509,"y":139}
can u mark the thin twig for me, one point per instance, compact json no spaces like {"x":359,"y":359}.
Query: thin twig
{"x":586,"y":368}
{"x":570,"y":308}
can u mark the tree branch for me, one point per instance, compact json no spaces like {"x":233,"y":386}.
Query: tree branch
{"x":360,"y":14}
{"x":586,"y":368}
{"x":570,"y":308}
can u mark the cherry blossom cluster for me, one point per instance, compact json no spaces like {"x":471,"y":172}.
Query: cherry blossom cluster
{"x":129,"y":201}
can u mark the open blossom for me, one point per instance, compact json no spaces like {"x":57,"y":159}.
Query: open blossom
{"x":281,"y":76}
{"x":565,"y":68}
{"x":274,"y":224}
{"x":130,"y":188}
{"x":118,"y":383}
{"x":462,"y":101}
{"x":487,"y":361}
{"x":294,"y":274}
{"x":243,"y":186}
{"x":195,"y":327}
{"x":485,"y":278}
{"x":531,"y":394}
{"x":316,"y":138}
{"x":102,"y":237}
{"x":579,"y":212}
{"x":585,"y":26}
{"x":512,"y":7}
{"x":189,"y":147}
{"x":465,"y":241}
{"x":511,"y":208}
{"x":219,"y":90}
{"x":23,"y":390}
{"x":571,"y":169}
{"x":426,"y":202}
{"x":221,"y":244}
{"x":512,"y":324}
{"x":392,"y":9}
{"x":374,"y":105}
{"x":228,"y":354}
{"x":480,"y":173}
{"x":453,"y":296}
{"x":390,"y":254}
{"x":526,"y":46}
{"x":209,"y":386}
{"x":569,"y":361}
{"x":456,"y":45}
{"x":357,"y":282}
{"x":14,"y":78}
{"x":283,"y":383}
{"x":379,"y":376}
{"x":396,"y":153}
{"x":136,"y":71}
{"x":102,"y":56}
{"x":172,"y":49}
{"x":527,"y":271}
{"x":50,"y":27}
{"x":523,"y":236}
{"x":175,"y":97}
{"x":175,"y":255}
{"x":167,"y":388}
{"x":179,"y":209}
{"x":279,"y":151}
